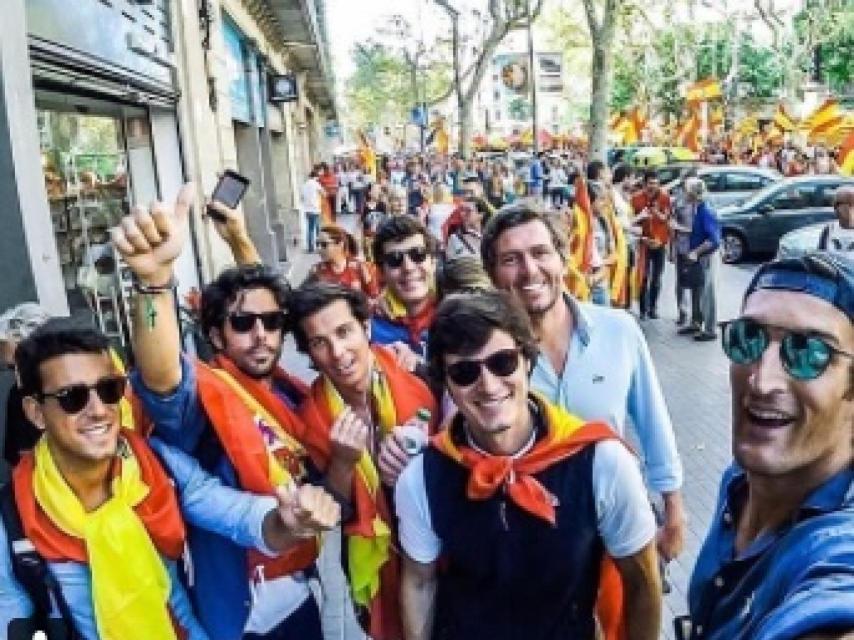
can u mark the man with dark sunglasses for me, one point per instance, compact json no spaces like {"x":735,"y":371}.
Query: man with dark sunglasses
{"x":506,"y":517}
{"x":778,"y":561}
{"x":405,"y":252}
{"x":237,"y":416}
{"x":105,"y":508}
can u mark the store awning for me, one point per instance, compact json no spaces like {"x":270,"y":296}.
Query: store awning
{"x":303,"y":28}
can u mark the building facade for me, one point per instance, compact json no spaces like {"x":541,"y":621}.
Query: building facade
{"x":116,"y":103}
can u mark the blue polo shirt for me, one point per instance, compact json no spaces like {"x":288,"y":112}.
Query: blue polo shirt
{"x":787,"y":583}
{"x":609,"y":376}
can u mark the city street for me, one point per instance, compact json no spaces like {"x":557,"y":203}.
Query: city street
{"x":695,"y":382}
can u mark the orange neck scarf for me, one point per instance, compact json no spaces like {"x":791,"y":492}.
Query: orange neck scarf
{"x":566,"y":435}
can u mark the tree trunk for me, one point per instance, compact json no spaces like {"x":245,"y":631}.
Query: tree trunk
{"x":465,"y":128}
{"x":601,"y":90}
{"x":602,"y":39}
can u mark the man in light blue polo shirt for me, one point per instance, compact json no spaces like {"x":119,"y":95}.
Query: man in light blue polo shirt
{"x":778,"y":562}
{"x":594,"y":361}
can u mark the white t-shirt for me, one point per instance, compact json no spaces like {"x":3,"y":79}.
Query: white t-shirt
{"x":311,"y":194}
{"x":624,"y":517}
{"x":840,"y":239}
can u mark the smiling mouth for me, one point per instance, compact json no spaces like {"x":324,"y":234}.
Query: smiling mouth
{"x":346,"y":369}
{"x":96,"y":430}
{"x":769,"y":418}
{"x":491,"y":403}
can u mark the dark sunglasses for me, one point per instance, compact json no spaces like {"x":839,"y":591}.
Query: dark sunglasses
{"x":804,"y":356}
{"x":245,"y":322}
{"x":74,"y":398}
{"x":502,"y":363}
{"x":394,"y":259}
{"x":324,"y":243}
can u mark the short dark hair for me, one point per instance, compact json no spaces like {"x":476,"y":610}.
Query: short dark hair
{"x":464,"y":323}
{"x":220,"y":294}
{"x":56,"y":337}
{"x":397,"y":228}
{"x":650,"y":174}
{"x":513,"y":216}
{"x":621,"y":172}
{"x":312,"y":297}
{"x":594,"y":168}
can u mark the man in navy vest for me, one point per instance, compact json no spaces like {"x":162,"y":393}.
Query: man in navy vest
{"x":508,"y":515}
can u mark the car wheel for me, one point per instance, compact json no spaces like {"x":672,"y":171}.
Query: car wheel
{"x":734,"y":247}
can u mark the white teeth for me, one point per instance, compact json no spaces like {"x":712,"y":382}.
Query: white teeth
{"x":97,"y":430}
{"x":533,"y":287}
{"x":769,"y":415}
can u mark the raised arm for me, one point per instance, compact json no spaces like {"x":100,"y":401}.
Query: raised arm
{"x":150,"y":240}
{"x":232,"y":228}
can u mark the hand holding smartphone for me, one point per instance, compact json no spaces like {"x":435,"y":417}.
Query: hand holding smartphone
{"x":229,"y":191}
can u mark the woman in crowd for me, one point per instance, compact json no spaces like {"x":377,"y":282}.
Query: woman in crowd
{"x":374,"y":212}
{"x":340,"y":263}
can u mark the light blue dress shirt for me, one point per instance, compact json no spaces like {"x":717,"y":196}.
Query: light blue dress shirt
{"x":609,"y":376}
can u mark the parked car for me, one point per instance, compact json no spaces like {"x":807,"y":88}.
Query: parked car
{"x":669,"y":175}
{"x":727,"y":184}
{"x":800,"y":241}
{"x":757,"y":224}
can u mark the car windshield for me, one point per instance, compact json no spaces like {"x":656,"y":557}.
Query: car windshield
{"x":760,"y":195}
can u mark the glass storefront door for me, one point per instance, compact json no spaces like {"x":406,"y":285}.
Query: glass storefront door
{"x":97,"y":161}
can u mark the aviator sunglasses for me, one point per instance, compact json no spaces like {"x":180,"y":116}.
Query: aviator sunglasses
{"x":805,"y":356}
{"x":394,"y":259}
{"x":502,"y":363}
{"x":74,"y":398}
{"x":245,"y":322}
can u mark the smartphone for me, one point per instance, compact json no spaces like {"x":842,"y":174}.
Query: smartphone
{"x":229,"y":191}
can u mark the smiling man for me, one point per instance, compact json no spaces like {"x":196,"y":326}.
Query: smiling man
{"x":106,"y":514}
{"x":406,"y":253}
{"x":593,"y":361}
{"x":361,"y":387}
{"x":505,"y":518}
{"x":779,"y":559}
{"x":236,"y":416}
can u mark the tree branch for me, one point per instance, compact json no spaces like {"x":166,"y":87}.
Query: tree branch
{"x":592,"y":20}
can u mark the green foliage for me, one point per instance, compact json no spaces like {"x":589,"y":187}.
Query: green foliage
{"x":519,"y":108}
{"x":384,"y":88}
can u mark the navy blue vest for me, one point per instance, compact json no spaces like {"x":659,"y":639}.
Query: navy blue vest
{"x":508,"y":575}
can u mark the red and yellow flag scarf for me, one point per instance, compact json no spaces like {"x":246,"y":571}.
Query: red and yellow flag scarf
{"x":121,"y":541}
{"x":373,"y":570}
{"x":264,"y":440}
{"x":415,"y":325}
{"x":566,"y":435}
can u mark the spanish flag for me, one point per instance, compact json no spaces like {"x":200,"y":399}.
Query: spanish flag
{"x":782,"y":120}
{"x":704,"y":90}
{"x":716,"y":118}
{"x":688,"y":135}
{"x":846,"y":155}
{"x":580,"y":243}
{"x":824,"y":120}
{"x":368,"y":156}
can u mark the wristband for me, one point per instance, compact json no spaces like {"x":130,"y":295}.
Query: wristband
{"x":139,"y":287}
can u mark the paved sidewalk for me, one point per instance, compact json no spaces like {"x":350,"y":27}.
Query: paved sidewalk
{"x":695,"y":380}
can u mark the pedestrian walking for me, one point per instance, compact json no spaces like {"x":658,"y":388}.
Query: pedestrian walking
{"x":311,"y":197}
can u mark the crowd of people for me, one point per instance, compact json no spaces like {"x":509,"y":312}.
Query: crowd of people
{"x":476,"y":374}
{"x":622,"y":225}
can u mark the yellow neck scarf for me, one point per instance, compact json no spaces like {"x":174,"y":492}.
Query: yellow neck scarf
{"x":130,"y":584}
{"x":366,"y":555}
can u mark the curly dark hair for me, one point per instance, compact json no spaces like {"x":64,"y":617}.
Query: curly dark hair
{"x":220,"y":294}
{"x":56,"y":337}
{"x":397,"y":228}
{"x":312,"y":297}
{"x":464,"y":323}
{"x":513,"y":216}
